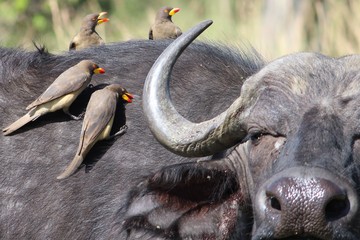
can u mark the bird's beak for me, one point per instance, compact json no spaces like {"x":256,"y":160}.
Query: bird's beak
{"x":99,"y":71}
{"x":173,"y":11}
{"x":127,"y":97}
{"x":102,"y":20}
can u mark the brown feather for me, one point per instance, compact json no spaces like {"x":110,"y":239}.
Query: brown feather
{"x":96,"y":126}
{"x":164,"y":28}
{"x":69,"y":81}
{"x":19,"y":123}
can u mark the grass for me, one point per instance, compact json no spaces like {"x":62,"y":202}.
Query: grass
{"x":273,"y":27}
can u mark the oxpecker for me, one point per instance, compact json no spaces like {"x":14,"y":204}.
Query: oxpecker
{"x":60,"y":94}
{"x":87,"y":36}
{"x":164,"y":28}
{"x":98,"y":121}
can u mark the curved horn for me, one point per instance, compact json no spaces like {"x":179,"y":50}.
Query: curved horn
{"x":171,"y":129}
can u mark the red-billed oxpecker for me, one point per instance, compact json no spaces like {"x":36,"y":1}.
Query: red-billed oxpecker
{"x":87,"y":36}
{"x":98,"y":121}
{"x":60,"y":94}
{"x":164,"y":28}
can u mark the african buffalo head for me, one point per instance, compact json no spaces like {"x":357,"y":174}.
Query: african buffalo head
{"x":284,"y":156}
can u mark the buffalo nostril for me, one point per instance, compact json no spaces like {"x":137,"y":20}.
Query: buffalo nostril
{"x":299,"y":204}
{"x":337,"y":207}
{"x":274,"y":202}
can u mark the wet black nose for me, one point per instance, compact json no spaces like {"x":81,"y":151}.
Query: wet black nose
{"x":305,"y":205}
{"x":319,"y":198}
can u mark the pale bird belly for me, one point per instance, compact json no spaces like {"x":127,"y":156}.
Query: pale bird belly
{"x":57,"y":104}
{"x":106,"y":132}
{"x":103,"y":135}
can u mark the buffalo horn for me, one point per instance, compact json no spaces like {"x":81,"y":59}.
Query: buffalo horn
{"x":171,"y":129}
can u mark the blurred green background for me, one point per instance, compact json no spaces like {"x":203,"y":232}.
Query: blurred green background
{"x":273,"y":27}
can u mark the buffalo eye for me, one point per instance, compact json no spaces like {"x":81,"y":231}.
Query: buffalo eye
{"x":256,"y":137}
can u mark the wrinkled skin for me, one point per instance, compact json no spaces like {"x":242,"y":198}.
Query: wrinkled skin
{"x":34,"y":205}
{"x":313,"y":133}
{"x":297,"y":171}
{"x":301,"y":147}
{"x":295,"y":163}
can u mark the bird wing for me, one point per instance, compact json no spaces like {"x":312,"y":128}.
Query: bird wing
{"x":68,"y":82}
{"x":75,"y":42}
{"x":178,"y":31}
{"x":151,"y":37}
{"x":72,"y":45}
{"x":85,"y":39}
{"x":165,"y":30}
{"x":99,"y":111}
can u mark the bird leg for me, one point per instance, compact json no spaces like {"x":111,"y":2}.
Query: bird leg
{"x":121,"y":131}
{"x":66,"y":111}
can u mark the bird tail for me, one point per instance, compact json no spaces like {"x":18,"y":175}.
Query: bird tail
{"x":19,"y":123}
{"x":76,"y":162}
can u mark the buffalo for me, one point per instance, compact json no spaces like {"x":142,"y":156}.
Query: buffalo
{"x":234,"y":147}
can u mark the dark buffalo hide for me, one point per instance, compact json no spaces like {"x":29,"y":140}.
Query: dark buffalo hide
{"x":293,"y":174}
{"x":98,"y":201}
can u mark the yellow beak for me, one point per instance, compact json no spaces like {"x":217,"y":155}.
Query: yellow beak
{"x":127,"y":97}
{"x":102,"y":20}
{"x":99,"y":71}
{"x":173,"y":11}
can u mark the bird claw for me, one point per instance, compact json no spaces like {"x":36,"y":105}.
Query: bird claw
{"x":76,"y":117}
{"x":121,"y":131}
{"x":81,"y":115}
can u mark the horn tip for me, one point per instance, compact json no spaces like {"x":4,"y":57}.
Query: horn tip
{"x":208,"y":22}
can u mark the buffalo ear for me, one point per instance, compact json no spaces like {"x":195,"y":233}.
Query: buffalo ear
{"x":172,"y":201}
{"x":196,"y":182}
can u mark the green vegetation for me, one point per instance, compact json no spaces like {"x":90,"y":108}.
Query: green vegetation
{"x":273,"y":27}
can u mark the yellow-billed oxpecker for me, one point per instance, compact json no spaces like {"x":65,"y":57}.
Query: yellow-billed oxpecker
{"x":60,"y":94}
{"x":164,"y":28}
{"x":98,"y":121}
{"x":87,"y":36}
